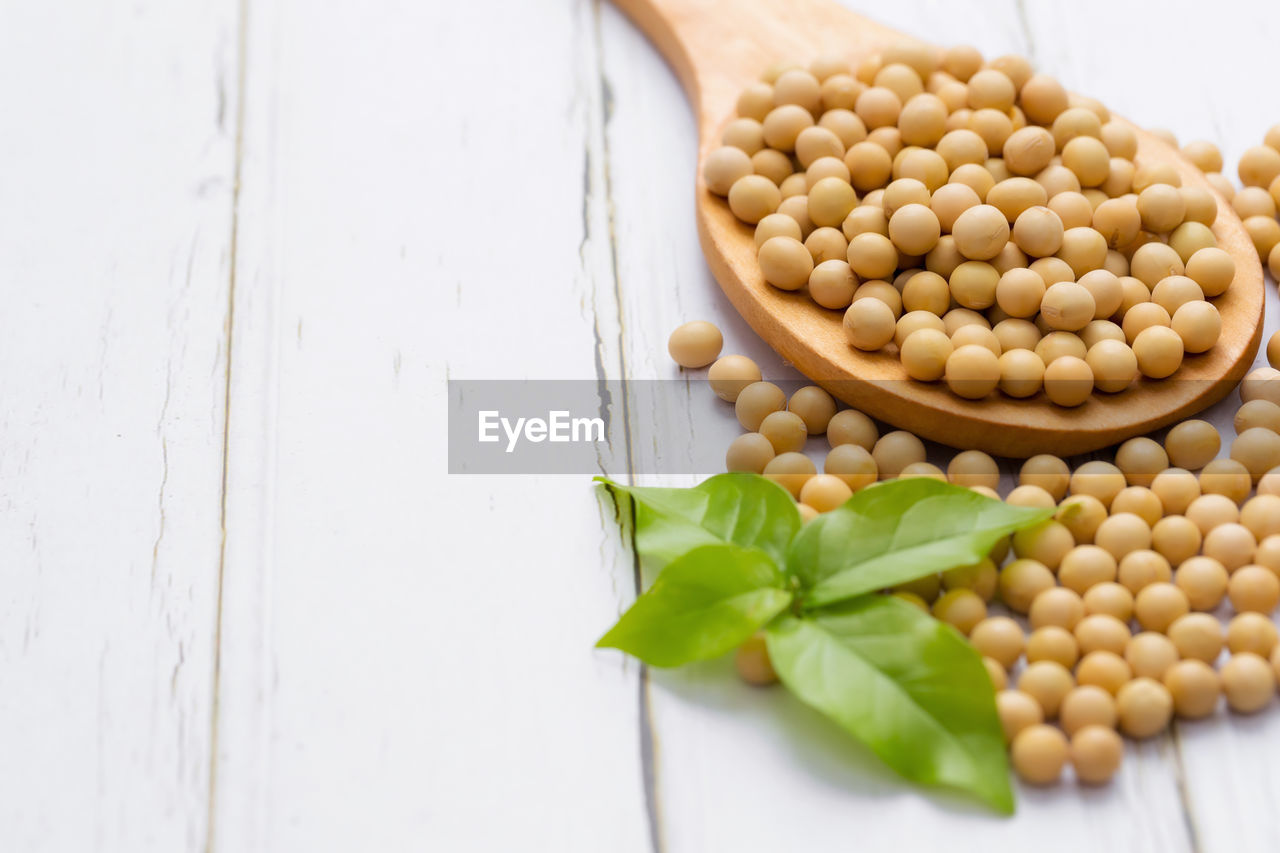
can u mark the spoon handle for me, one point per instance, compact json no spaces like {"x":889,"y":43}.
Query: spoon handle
{"x":714,"y":46}
{"x":718,"y":46}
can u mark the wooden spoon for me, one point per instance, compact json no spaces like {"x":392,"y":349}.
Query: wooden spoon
{"x":717,"y":47}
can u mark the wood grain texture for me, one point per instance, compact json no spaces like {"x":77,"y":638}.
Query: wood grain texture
{"x":716,"y":48}
{"x":115,"y":215}
{"x":400,"y":659}
{"x":407,"y":659}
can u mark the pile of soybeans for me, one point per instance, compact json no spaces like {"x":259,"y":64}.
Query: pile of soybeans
{"x":989,"y":228}
{"x":1148,"y":595}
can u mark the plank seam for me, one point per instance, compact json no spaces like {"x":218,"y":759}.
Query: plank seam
{"x":648,"y":739}
{"x":1024,"y":23}
{"x":1184,"y":791}
{"x":242,"y":63}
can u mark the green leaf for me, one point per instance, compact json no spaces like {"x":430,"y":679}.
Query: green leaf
{"x":908,"y":686}
{"x":898,"y":531}
{"x":742,"y":509}
{"x":703,"y":604}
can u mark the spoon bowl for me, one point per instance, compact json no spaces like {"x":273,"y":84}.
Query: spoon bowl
{"x":716,"y":48}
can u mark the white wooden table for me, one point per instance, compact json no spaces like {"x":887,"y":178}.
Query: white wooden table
{"x":244,"y":607}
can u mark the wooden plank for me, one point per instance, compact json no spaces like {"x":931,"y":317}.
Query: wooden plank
{"x":1228,"y":761}
{"x":730,"y":759}
{"x":116,"y":212}
{"x":407,"y":656}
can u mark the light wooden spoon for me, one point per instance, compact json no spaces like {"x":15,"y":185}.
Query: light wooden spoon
{"x":717,"y":47}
